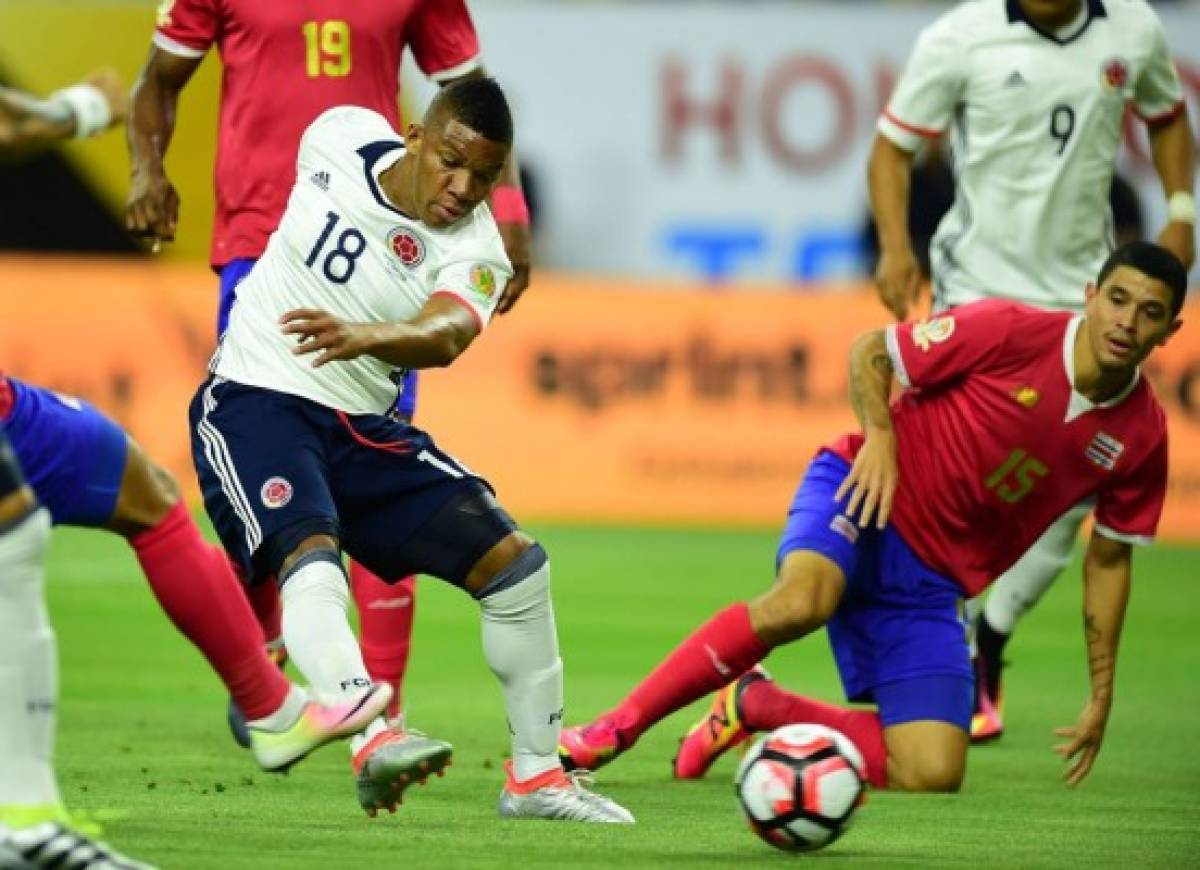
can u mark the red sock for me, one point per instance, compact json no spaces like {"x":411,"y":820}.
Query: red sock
{"x":385,"y":617}
{"x":196,"y":587}
{"x":264,"y":600}
{"x":765,"y":707}
{"x":710,"y":657}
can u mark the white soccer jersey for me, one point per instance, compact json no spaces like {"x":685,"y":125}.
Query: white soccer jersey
{"x":343,"y":248}
{"x":1037,"y":120}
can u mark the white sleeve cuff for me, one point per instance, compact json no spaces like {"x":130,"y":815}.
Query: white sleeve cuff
{"x":90,"y":107}
{"x":891,"y":338}
{"x":171,"y":46}
{"x":1113,"y":534}
{"x":904,"y":136}
{"x":445,"y":75}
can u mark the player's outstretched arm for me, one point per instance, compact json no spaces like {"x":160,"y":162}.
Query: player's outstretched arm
{"x":85,"y":109}
{"x":441,"y":331}
{"x":1107,"y":569}
{"x":152,"y":210}
{"x":1173,"y":149}
{"x":871,"y":483}
{"x":512,"y":219}
{"x":898,"y":275}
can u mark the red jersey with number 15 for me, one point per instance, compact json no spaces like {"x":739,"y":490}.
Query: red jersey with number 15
{"x":285,"y":64}
{"x":995,"y":444}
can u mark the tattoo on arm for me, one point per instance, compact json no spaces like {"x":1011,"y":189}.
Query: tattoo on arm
{"x":871,"y":374}
{"x":1101,"y":661}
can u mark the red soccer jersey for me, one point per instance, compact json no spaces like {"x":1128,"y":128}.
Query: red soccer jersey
{"x":995,"y":444}
{"x":285,"y":64}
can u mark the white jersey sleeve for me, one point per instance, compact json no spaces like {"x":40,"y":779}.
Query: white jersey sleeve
{"x":922,"y":105}
{"x":1157,"y":94}
{"x":477,"y":284}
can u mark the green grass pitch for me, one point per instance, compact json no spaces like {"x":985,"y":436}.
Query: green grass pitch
{"x":143,"y":744}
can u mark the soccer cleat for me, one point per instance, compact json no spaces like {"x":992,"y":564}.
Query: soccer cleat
{"x":559,"y":796}
{"x":318,"y":724}
{"x":52,"y":845}
{"x":391,"y":762}
{"x":234,"y":715}
{"x":987,"y":722}
{"x":589,"y":747}
{"x":721,"y":729}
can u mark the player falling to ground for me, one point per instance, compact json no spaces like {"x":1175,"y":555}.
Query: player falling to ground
{"x":387,"y":258}
{"x":1035,"y":93}
{"x":87,"y":472}
{"x":1010,"y":415}
{"x":284,"y":64}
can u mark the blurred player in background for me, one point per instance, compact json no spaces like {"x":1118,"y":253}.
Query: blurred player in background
{"x":1055,"y":411}
{"x":1035,"y":93}
{"x":86,"y":471}
{"x":387,"y":258}
{"x":284,"y":64}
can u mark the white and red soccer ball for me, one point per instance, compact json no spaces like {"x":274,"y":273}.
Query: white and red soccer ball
{"x":800,"y":786}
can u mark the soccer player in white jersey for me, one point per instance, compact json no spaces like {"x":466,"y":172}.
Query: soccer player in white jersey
{"x":1035,"y":92}
{"x":387,"y":258}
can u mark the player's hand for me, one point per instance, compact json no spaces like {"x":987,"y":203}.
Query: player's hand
{"x":872,"y":480}
{"x":518,"y":244}
{"x":321,"y":331}
{"x":898,"y":279}
{"x":1180,"y":239}
{"x":1083,"y":740}
{"x":152,"y":210}
{"x":108,"y":82}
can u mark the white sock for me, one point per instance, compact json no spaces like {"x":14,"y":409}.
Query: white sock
{"x":317,"y":634}
{"x":520,"y":644}
{"x":285,"y":717}
{"x":28,"y":669}
{"x":1021,"y":586}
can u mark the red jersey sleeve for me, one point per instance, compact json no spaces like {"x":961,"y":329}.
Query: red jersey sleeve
{"x":1129,"y":509}
{"x":187,"y":27}
{"x":443,"y":40}
{"x":942,"y":348}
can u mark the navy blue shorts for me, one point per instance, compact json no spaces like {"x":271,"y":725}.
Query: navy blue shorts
{"x":232,"y":274}
{"x":275,"y":469}
{"x":899,"y":635}
{"x":72,"y":455}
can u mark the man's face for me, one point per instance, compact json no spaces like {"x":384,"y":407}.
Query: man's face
{"x":1128,"y":316}
{"x":1051,"y":13}
{"x":457,"y":169}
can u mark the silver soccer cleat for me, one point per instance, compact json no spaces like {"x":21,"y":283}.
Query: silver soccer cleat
{"x":53,"y":845}
{"x":565,"y":798}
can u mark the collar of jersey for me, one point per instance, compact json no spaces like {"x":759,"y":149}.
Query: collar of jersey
{"x":371,"y":154}
{"x":1078,"y":399}
{"x":1095,"y":9}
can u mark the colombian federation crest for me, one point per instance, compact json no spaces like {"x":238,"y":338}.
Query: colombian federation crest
{"x":482,"y":279}
{"x":408,"y":246}
{"x":1114,"y":75}
{"x":932,"y":331}
{"x":276,"y":492}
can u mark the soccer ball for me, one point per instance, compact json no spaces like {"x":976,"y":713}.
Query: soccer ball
{"x":800,"y":786}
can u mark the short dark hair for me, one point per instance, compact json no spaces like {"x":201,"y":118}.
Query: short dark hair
{"x":1152,"y":260}
{"x":480,"y":104}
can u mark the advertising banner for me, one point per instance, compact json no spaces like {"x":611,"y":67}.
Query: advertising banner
{"x":595,"y":400}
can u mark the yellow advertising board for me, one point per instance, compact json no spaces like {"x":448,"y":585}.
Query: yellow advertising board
{"x":596,"y":400}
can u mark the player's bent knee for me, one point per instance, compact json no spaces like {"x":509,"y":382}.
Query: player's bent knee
{"x":803,"y":598}
{"x":926,"y":756}
{"x":148,"y":493}
{"x":929,"y":775}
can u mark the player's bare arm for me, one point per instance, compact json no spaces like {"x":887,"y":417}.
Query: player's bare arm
{"x":152,"y":209}
{"x":872,"y":480}
{"x":1107,"y":568}
{"x":439,"y":333}
{"x":28,"y":123}
{"x":898,"y":275}
{"x":512,"y":219}
{"x":1173,"y":149}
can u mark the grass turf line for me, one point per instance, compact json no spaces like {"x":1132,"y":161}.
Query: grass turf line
{"x":143,"y":743}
